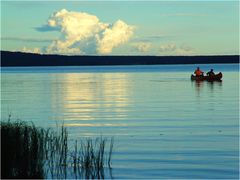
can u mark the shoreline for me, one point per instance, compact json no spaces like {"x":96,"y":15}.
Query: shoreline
{"x":19,"y":59}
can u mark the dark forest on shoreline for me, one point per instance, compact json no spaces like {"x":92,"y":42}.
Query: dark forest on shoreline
{"x":28,"y":59}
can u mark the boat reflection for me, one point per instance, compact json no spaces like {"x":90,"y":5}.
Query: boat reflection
{"x":214,"y":84}
{"x":210,"y":86}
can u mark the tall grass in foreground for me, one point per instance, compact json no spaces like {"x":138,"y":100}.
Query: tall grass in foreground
{"x":31,"y":152}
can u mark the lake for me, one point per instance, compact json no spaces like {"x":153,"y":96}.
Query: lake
{"x":164,"y":125}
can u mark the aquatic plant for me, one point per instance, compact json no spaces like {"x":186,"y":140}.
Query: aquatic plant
{"x":32,"y":152}
{"x":21,"y":150}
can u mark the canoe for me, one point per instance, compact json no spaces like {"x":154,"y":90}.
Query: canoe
{"x":216,"y":77}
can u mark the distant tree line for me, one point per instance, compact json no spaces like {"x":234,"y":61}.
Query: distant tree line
{"x":28,"y":59}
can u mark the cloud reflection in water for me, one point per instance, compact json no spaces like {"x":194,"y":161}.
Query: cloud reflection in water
{"x":85,"y":96}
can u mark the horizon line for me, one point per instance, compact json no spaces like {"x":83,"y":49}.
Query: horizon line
{"x":98,"y":55}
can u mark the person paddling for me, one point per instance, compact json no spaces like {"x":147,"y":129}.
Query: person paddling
{"x":210,"y":73}
{"x":198,"y":72}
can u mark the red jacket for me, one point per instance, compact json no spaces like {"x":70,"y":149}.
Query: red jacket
{"x":198,"y":72}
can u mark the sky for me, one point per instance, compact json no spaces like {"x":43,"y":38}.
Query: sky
{"x":156,"y":28}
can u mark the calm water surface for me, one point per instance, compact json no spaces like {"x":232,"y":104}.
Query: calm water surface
{"x":164,"y":125}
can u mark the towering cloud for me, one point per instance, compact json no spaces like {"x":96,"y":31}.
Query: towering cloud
{"x":113,"y":36}
{"x":83,"y":33}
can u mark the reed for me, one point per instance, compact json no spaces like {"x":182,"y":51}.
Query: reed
{"x":22,"y":154}
{"x":31,"y":152}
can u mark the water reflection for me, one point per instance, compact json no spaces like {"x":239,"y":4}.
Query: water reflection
{"x":198,"y":85}
{"x":89,"y":96}
{"x":210,"y":85}
{"x":214,"y":84}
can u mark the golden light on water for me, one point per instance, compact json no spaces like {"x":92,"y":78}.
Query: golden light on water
{"x":84,"y":96}
{"x":90,"y":125}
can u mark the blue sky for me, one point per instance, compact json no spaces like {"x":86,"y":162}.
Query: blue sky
{"x":145,"y":28}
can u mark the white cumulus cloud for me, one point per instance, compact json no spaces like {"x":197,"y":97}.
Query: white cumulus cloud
{"x":173,"y":49}
{"x":82,"y":33}
{"x":113,"y":36}
{"x":142,"y":46}
{"x":29,"y":50}
{"x":167,"y":47}
{"x":185,"y":50}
